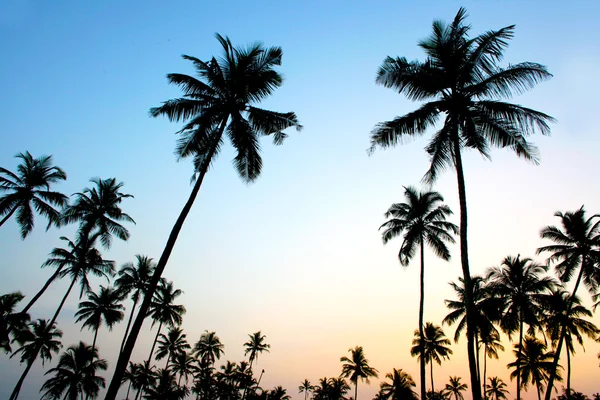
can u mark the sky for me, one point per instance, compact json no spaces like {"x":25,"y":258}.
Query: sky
{"x":297,"y":254}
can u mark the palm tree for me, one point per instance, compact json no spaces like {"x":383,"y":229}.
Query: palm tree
{"x":519,"y":285}
{"x":11,"y":322}
{"x":75,"y":374}
{"x":575,"y":246}
{"x":421,"y":220}
{"x":42,"y":339}
{"x":145,"y":377}
{"x":533,"y":363}
{"x":306,"y":388}
{"x":165,"y":388}
{"x":400,"y":387}
{"x":491,"y":344}
{"x":209,"y":347}
{"x":464,"y":85}
{"x":222,"y":101}
{"x":102,"y":307}
{"x":131,"y":377}
{"x":322,"y":390}
{"x":357,"y":367}
{"x":184,"y":365}
{"x":496,"y":389}
{"x":255,"y":346}
{"x":171,"y":344}
{"x":455,"y":387}
{"x":134,"y":280}
{"x":29,"y":189}
{"x":279,"y":393}
{"x":163,"y":311}
{"x":435,"y":344}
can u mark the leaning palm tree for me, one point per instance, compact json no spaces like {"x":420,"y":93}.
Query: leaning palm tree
{"x":306,"y":388}
{"x":12,"y":324}
{"x":209,"y":347}
{"x":357,"y":367}
{"x":75,"y":375}
{"x":576,"y":247}
{"x":105,"y":306}
{"x":434,"y":343}
{"x":171,"y":344}
{"x":400,"y":387}
{"x":29,"y":189}
{"x":455,"y":387}
{"x":220,"y":102}
{"x":421,"y":220}
{"x":491,"y":344}
{"x":463,"y":84}
{"x":256,"y":345}
{"x":42,"y":339}
{"x":496,"y":389}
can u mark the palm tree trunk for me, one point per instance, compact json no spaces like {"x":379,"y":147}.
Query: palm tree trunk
{"x":356,"y":390}
{"x":568,"y":372}
{"x":8,"y":215}
{"x":17,"y":389}
{"x":464,"y":260}
{"x":128,"y":389}
{"x":421,"y":323}
{"x":154,"y":343}
{"x":431,"y":373}
{"x":128,"y":323}
{"x":41,"y":292}
{"x":484,"y":372}
{"x":138,"y":393}
{"x":168,"y":358}
{"x":477,"y":357}
{"x":95,"y":337}
{"x":538,"y":391}
{"x":519,"y":357}
{"x":121,"y":365}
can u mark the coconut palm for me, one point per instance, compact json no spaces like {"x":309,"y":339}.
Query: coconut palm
{"x":165,"y":388}
{"x":533,"y":363}
{"x":145,"y":377}
{"x":357,"y":367}
{"x":519,"y":284}
{"x":255,"y":345}
{"x":464,"y":86}
{"x":41,"y":339}
{"x":220,"y":102}
{"x":29,"y":189}
{"x":338,"y":388}
{"x":131,"y":377}
{"x":491,"y":344}
{"x":12,"y":324}
{"x":421,"y":220}
{"x":75,"y":374}
{"x":209,"y":347}
{"x":171,"y":344}
{"x":496,"y":389}
{"x":306,"y":388}
{"x":102,"y":307}
{"x":455,"y":387}
{"x":279,"y":393}
{"x":163,"y":311}
{"x":434,"y":343}
{"x":133,"y":281}
{"x":574,"y":252}
{"x":400,"y":387}
{"x":184,"y":365}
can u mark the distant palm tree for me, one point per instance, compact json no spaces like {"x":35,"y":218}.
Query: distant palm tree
{"x":11,"y":323}
{"x":209,"y":347}
{"x":184,"y":365}
{"x":102,"y":307}
{"x":463,"y":84}
{"x":491,"y":344}
{"x":256,"y":345}
{"x":220,"y":103}
{"x":400,"y":387}
{"x":496,"y":389}
{"x":421,"y":220}
{"x":75,"y":375}
{"x":130,"y":376}
{"x":171,"y":344}
{"x":455,"y":387}
{"x":134,"y":280}
{"x":337,"y":389}
{"x":42,"y":339}
{"x":357,"y":367}
{"x":576,"y":246}
{"x":279,"y":393}
{"x":29,"y":189}
{"x":533,"y":363}
{"x":163,"y":311}
{"x":165,"y":388}
{"x":306,"y":388}
{"x":322,"y":390}
{"x":435,"y":344}
{"x":145,"y":377}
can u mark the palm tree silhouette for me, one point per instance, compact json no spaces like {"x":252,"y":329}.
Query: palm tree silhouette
{"x":357,"y":367}
{"x":575,"y":246}
{"x":102,"y":307}
{"x":165,"y":388}
{"x":279,"y":393}
{"x":184,"y":365}
{"x":209,"y":347}
{"x":464,"y":85}
{"x":255,"y":345}
{"x":11,"y":323}
{"x":496,"y":389}
{"x":491,"y":344}
{"x":41,"y":339}
{"x":171,"y":344}
{"x":455,"y":387}
{"x":400,"y":387}
{"x":29,"y":189}
{"x":131,"y":377}
{"x":434,"y":343}
{"x":75,"y":374}
{"x":221,"y":102}
{"x":421,"y":219}
{"x":306,"y":388}
{"x":163,"y":311}
{"x":146,"y":376}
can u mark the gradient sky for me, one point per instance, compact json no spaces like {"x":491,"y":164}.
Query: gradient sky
{"x":296,"y":254}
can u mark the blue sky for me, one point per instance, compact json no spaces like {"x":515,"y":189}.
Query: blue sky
{"x":297,"y":253}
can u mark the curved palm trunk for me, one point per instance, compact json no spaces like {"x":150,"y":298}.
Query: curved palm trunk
{"x":519,"y":358}
{"x":421,"y":323}
{"x":464,"y":260}
{"x":154,"y":343}
{"x":41,"y":292}
{"x":17,"y":389}
{"x":8,"y":216}
{"x":484,"y":372}
{"x":128,"y":324}
{"x":121,"y":366}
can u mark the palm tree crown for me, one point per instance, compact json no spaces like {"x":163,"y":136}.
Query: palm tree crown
{"x":12,"y":324}
{"x":400,"y":387}
{"x":496,"y":389}
{"x":255,"y":345}
{"x":357,"y":367}
{"x":172,"y":344}
{"x":104,"y":306}
{"x":209,"y":347}
{"x":455,"y":387}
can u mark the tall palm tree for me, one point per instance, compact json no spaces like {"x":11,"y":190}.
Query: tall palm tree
{"x":131,"y":377}
{"x":357,"y":367}
{"x":42,"y":339}
{"x":434,"y":343}
{"x":102,"y":307}
{"x":455,"y":387}
{"x":171,"y":344}
{"x":184,"y":365}
{"x":75,"y":374}
{"x":163,"y":311}
{"x":400,"y":387}
{"x":133,"y":281}
{"x":519,"y":283}
{"x":165,"y":388}
{"x":306,"y":388}
{"x":29,"y":189}
{"x":496,"y":389}
{"x":256,"y":345}
{"x":221,"y":102}
{"x":11,"y":323}
{"x":463,"y":84}
{"x":533,"y":363}
{"x":491,"y":344}
{"x":576,"y":246}
{"x":421,"y":219}
{"x":209,"y":347}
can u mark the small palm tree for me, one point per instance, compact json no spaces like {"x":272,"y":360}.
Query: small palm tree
{"x":279,"y":393}
{"x":145,"y":377}
{"x":455,"y":387}
{"x":422,"y":219}
{"x":29,"y":189}
{"x":171,"y":345}
{"x":491,"y":344}
{"x":163,"y":311}
{"x":75,"y":375}
{"x":496,"y":389}
{"x":11,"y":323}
{"x":130,"y":376}
{"x":338,"y":387}
{"x":435,"y":344}
{"x":165,"y":388}
{"x":184,"y":365}
{"x":306,"y":388}
{"x":357,"y":367}
{"x":209,"y":347}
{"x":256,"y":345}
{"x":102,"y":307}
{"x":400,"y":387}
